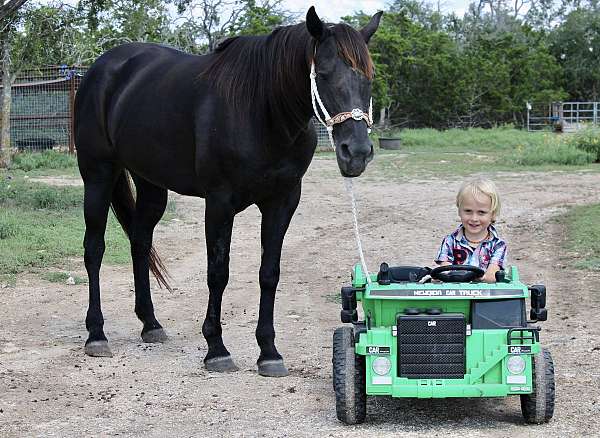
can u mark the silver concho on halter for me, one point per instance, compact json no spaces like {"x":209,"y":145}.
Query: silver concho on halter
{"x":357,"y":114}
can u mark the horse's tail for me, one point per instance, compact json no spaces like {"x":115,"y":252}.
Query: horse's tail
{"x":123,"y":206}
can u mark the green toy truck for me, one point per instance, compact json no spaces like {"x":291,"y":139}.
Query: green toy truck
{"x":450,"y":337}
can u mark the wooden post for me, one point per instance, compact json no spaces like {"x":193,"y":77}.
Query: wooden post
{"x":72,"y":112}
{"x":5,"y":146}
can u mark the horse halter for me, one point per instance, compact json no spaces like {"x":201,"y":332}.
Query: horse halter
{"x":356,"y":114}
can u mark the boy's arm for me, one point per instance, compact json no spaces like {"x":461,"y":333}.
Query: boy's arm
{"x":496,"y":263}
{"x":490,"y":273}
{"x":444,"y":256}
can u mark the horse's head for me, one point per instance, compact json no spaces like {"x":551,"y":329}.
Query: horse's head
{"x":341,"y":80}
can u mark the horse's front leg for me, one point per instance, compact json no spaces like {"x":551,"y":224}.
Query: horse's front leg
{"x":276,"y":215}
{"x":218,"y":224}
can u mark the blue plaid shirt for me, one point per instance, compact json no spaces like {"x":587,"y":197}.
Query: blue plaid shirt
{"x":456,"y":249}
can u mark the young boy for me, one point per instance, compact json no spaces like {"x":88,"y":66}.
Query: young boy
{"x":475,"y":242}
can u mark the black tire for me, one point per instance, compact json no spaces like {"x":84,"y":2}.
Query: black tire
{"x":538,"y":407}
{"x":348,"y":378}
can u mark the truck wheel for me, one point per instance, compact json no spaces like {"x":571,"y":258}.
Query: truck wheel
{"x":538,"y":407}
{"x":348,"y":378}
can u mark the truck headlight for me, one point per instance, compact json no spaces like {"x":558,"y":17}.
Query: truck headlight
{"x":381,"y":365}
{"x":515,"y":364}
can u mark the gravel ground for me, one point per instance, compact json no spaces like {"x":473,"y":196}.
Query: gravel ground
{"x":48,"y":387}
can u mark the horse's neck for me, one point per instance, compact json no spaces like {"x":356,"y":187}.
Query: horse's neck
{"x":289,"y":107}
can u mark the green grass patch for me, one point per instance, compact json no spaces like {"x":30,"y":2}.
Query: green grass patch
{"x":20,"y":193}
{"x":62,"y":277}
{"x":583,"y":235}
{"x":28,"y":161}
{"x":41,"y":225}
{"x":456,"y":152}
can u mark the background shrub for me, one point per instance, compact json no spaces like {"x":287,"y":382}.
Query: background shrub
{"x":588,"y":140}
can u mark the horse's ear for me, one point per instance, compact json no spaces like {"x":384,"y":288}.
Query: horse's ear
{"x":368,"y":31}
{"x":315,"y":26}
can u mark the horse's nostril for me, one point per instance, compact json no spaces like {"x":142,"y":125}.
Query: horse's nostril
{"x":345,"y":150}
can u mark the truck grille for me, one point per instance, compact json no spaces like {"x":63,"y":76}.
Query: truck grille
{"x":431,"y":346}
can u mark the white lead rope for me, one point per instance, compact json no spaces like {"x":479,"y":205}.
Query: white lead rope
{"x":349,"y":189}
{"x":356,"y":114}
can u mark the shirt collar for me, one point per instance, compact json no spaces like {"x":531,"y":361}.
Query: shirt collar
{"x":459,"y":234}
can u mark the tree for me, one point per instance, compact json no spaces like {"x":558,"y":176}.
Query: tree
{"x":576,"y":45}
{"x":8,"y":15}
{"x":260,"y":19}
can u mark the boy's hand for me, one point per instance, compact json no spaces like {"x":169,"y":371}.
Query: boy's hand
{"x":490,"y":274}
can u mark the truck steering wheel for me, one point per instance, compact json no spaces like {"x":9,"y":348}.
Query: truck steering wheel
{"x":456,"y":273}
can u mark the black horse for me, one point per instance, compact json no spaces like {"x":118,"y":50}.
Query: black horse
{"x":232,"y":127}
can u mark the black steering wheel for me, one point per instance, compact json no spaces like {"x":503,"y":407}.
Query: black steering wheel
{"x":456,"y":273}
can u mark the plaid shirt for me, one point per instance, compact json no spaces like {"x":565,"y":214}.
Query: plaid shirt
{"x":456,"y":249}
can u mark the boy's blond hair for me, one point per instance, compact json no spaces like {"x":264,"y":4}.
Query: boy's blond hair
{"x":478,"y":187}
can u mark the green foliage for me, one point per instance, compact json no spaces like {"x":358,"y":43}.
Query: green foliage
{"x":552,"y":152}
{"x":43,"y":160}
{"x":258,"y":19}
{"x":588,"y":140}
{"x":576,"y":44}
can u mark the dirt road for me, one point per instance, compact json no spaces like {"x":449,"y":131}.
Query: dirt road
{"x":48,"y":387}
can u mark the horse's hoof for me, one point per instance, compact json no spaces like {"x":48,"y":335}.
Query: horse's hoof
{"x":155,"y":335}
{"x":272,"y":368}
{"x":98,"y":349}
{"x":220,"y":364}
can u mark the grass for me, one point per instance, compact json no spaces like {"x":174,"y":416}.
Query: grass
{"x":583,"y":235}
{"x":62,"y":277}
{"x":38,"y":237}
{"x":430,"y":153}
{"x":42,"y":225}
{"x":28,"y":161}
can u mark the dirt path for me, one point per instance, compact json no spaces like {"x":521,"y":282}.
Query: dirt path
{"x":49,"y":388}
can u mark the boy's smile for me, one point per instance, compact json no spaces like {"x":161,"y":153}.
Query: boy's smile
{"x":476,"y":216}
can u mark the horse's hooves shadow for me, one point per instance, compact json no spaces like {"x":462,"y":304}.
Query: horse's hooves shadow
{"x":98,"y":349}
{"x":220,"y":364}
{"x":272,"y":368}
{"x":155,"y":336}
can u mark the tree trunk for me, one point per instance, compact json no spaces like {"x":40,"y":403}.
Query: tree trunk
{"x":381,"y":122}
{"x":5,"y":148}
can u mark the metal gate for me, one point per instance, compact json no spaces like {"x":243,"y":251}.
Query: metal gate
{"x":562,"y":116}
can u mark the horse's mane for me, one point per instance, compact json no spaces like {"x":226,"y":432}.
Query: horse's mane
{"x":266,"y":72}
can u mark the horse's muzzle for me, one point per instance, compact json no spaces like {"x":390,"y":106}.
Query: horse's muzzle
{"x":353,"y":162}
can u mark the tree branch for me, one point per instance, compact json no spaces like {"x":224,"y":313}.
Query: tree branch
{"x":10,"y":7}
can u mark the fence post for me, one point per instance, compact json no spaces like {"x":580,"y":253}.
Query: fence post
{"x":72,"y":111}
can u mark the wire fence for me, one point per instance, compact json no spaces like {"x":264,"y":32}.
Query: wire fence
{"x":42,"y":110}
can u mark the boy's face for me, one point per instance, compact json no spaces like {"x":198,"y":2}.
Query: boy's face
{"x":476,"y":215}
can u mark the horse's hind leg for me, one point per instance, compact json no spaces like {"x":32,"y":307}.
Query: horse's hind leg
{"x":150,"y":205}
{"x":218,"y":224}
{"x":276,"y":216}
{"x":99,"y":180}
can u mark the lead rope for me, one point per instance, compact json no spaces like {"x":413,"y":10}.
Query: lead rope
{"x":349,"y":189}
{"x":315,"y":98}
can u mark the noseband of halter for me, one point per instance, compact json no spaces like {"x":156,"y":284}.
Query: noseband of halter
{"x":356,"y":114}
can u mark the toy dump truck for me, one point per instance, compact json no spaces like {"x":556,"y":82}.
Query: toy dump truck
{"x":450,"y":337}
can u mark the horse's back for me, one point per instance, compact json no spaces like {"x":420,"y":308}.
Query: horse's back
{"x":137,"y":100}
